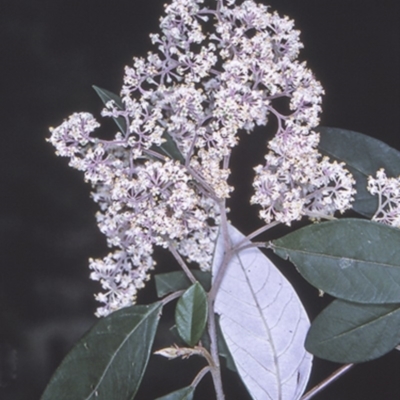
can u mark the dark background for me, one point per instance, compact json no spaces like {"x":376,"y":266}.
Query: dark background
{"x":52,"y":51}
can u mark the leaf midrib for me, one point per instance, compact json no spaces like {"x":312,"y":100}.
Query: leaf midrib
{"x":330,"y":256}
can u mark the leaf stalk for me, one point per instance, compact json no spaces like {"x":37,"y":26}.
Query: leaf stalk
{"x":330,"y":379}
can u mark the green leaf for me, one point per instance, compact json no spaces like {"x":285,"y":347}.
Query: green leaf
{"x":169,"y":149}
{"x":351,"y":333}
{"x":110,"y":360}
{"x":191,"y":314}
{"x":105,"y":96}
{"x":352,"y":259}
{"x":173,"y":281}
{"x":364,"y":156}
{"x":185,"y":393}
{"x":223,"y":349}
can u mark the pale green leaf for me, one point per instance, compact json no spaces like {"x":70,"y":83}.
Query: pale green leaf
{"x":263,"y":322}
{"x":348,"y":332}
{"x":110,"y":360}
{"x":191,"y":314}
{"x":352,"y":259}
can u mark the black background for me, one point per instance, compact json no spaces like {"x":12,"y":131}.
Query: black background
{"x":52,"y":51}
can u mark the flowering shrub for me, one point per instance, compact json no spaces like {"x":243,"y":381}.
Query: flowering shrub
{"x":217,"y":72}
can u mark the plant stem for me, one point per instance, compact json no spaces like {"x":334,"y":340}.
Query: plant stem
{"x":220,"y":274}
{"x":172,"y":296}
{"x":228,"y":254}
{"x":257,"y":232}
{"x":212,"y":331}
{"x":182,"y":263}
{"x":200,"y":376}
{"x":331,"y":378}
{"x":215,"y":368}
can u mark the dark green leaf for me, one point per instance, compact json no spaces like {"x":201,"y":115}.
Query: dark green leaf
{"x":364,"y":156}
{"x":351,"y":333}
{"x":185,"y":393}
{"x":105,"y":96}
{"x":169,"y":149}
{"x":173,"y":281}
{"x":191,"y":314}
{"x":222,"y":346}
{"x":353,"y":259}
{"x":110,"y":360}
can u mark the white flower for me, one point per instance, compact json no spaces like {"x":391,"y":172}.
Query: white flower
{"x":195,"y":94}
{"x":73,"y":134}
{"x":296,"y":181}
{"x":388,"y":192}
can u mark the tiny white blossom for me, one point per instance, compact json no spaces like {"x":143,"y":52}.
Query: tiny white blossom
{"x":161,"y":179}
{"x":73,"y":134}
{"x":296,"y":181}
{"x":388,"y":192}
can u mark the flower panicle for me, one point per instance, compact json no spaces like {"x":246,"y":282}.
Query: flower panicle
{"x":215,"y":72}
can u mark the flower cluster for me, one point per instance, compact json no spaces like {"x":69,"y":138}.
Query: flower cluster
{"x":296,"y":181}
{"x":216,"y":72}
{"x":388,"y":192}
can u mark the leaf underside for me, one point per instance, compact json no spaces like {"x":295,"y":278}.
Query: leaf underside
{"x":352,"y":259}
{"x":264,"y":324}
{"x":110,"y":360}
